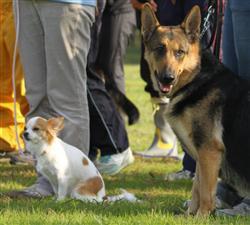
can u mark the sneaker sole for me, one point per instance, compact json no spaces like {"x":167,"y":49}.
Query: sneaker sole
{"x":156,"y":156}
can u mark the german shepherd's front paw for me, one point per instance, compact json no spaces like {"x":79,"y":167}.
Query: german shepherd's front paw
{"x":198,"y":213}
{"x":190,"y":211}
{"x":203,"y":212}
{"x":192,"y":208}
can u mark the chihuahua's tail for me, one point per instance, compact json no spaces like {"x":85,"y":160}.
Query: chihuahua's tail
{"x":124,"y":196}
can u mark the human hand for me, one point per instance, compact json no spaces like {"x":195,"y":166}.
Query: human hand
{"x":138,"y":5}
{"x":153,"y":5}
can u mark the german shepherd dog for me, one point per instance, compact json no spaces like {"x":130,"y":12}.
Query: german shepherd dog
{"x":209,"y":107}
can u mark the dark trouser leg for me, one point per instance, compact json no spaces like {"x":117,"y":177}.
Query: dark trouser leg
{"x":188,"y":162}
{"x":107,"y":129}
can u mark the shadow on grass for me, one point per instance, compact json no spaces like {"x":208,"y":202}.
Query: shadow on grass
{"x":21,"y":175}
{"x":144,"y":182}
{"x":157,"y":195}
{"x":158,"y":204}
{"x":131,"y":180}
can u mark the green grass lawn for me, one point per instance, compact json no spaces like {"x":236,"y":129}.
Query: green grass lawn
{"x":161,"y":201}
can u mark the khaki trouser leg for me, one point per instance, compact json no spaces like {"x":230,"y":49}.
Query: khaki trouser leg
{"x":54,"y":42}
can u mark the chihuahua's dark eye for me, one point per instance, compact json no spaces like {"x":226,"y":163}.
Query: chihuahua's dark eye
{"x":35,"y":129}
{"x":25,"y":128}
{"x":160,"y":49}
{"x":179,"y":53}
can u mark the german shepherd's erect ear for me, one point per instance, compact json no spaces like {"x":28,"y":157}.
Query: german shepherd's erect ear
{"x":149,"y":22}
{"x":192,"y":23}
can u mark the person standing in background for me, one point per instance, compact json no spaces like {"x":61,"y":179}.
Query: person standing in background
{"x":236,"y":56}
{"x":118,"y":25}
{"x":54,"y":43}
{"x":7,"y":41}
{"x":111,"y":138}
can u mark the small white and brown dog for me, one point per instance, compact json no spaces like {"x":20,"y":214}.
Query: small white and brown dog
{"x":68,"y":169}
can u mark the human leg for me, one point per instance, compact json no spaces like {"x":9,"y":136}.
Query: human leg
{"x":229,"y":57}
{"x":117,"y":29}
{"x":164,"y":143}
{"x":42,"y":59}
{"x":187,"y":172}
{"x":7,"y":42}
{"x":241,"y":34}
{"x":67,"y":38}
{"x":241,"y":209}
{"x":188,"y":163}
{"x":127,"y":26}
{"x":111,"y":138}
{"x":32,"y":51}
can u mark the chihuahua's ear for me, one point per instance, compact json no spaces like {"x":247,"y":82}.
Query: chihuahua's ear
{"x":55,"y":124}
{"x":192,"y":23}
{"x":149,"y":22}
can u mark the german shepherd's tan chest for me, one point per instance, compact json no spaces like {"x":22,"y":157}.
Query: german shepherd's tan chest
{"x":182,"y":126}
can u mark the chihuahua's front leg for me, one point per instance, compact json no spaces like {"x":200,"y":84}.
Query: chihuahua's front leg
{"x":62,"y":188}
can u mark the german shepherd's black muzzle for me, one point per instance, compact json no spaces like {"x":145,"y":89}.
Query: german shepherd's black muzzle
{"x":165,"y":80}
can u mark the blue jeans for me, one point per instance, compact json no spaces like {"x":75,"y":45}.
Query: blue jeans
{"x":188,"y":163}
{"x":236,"y":56}
{"x":236,"y":37}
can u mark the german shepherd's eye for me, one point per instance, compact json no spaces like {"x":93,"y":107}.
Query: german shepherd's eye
{"x":160,"y":49}
{"x":35,"y":129}
{"x":179,"y":53}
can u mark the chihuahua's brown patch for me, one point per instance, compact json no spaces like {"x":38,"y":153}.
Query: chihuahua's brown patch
{"x":54,"y":125}
{"x":48,"y":129}
{"x":85,"y":162}
{"x":90,"y":187}
{"x":42,"y":129}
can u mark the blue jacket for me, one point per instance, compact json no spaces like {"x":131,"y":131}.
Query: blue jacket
{"x":83,"y":2}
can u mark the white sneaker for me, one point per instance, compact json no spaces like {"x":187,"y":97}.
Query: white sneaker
{"x":181,"y":175}
{"x":242,"y":209}
{"x":218,"y":203}
{"x":113,"y":164}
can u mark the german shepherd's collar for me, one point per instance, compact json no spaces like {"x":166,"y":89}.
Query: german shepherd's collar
{"x":209,"y":107}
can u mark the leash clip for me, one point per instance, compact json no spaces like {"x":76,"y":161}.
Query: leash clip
{"x":207,"y":23}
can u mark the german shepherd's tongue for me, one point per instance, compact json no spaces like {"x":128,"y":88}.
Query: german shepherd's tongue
{"x":165,"y":87}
